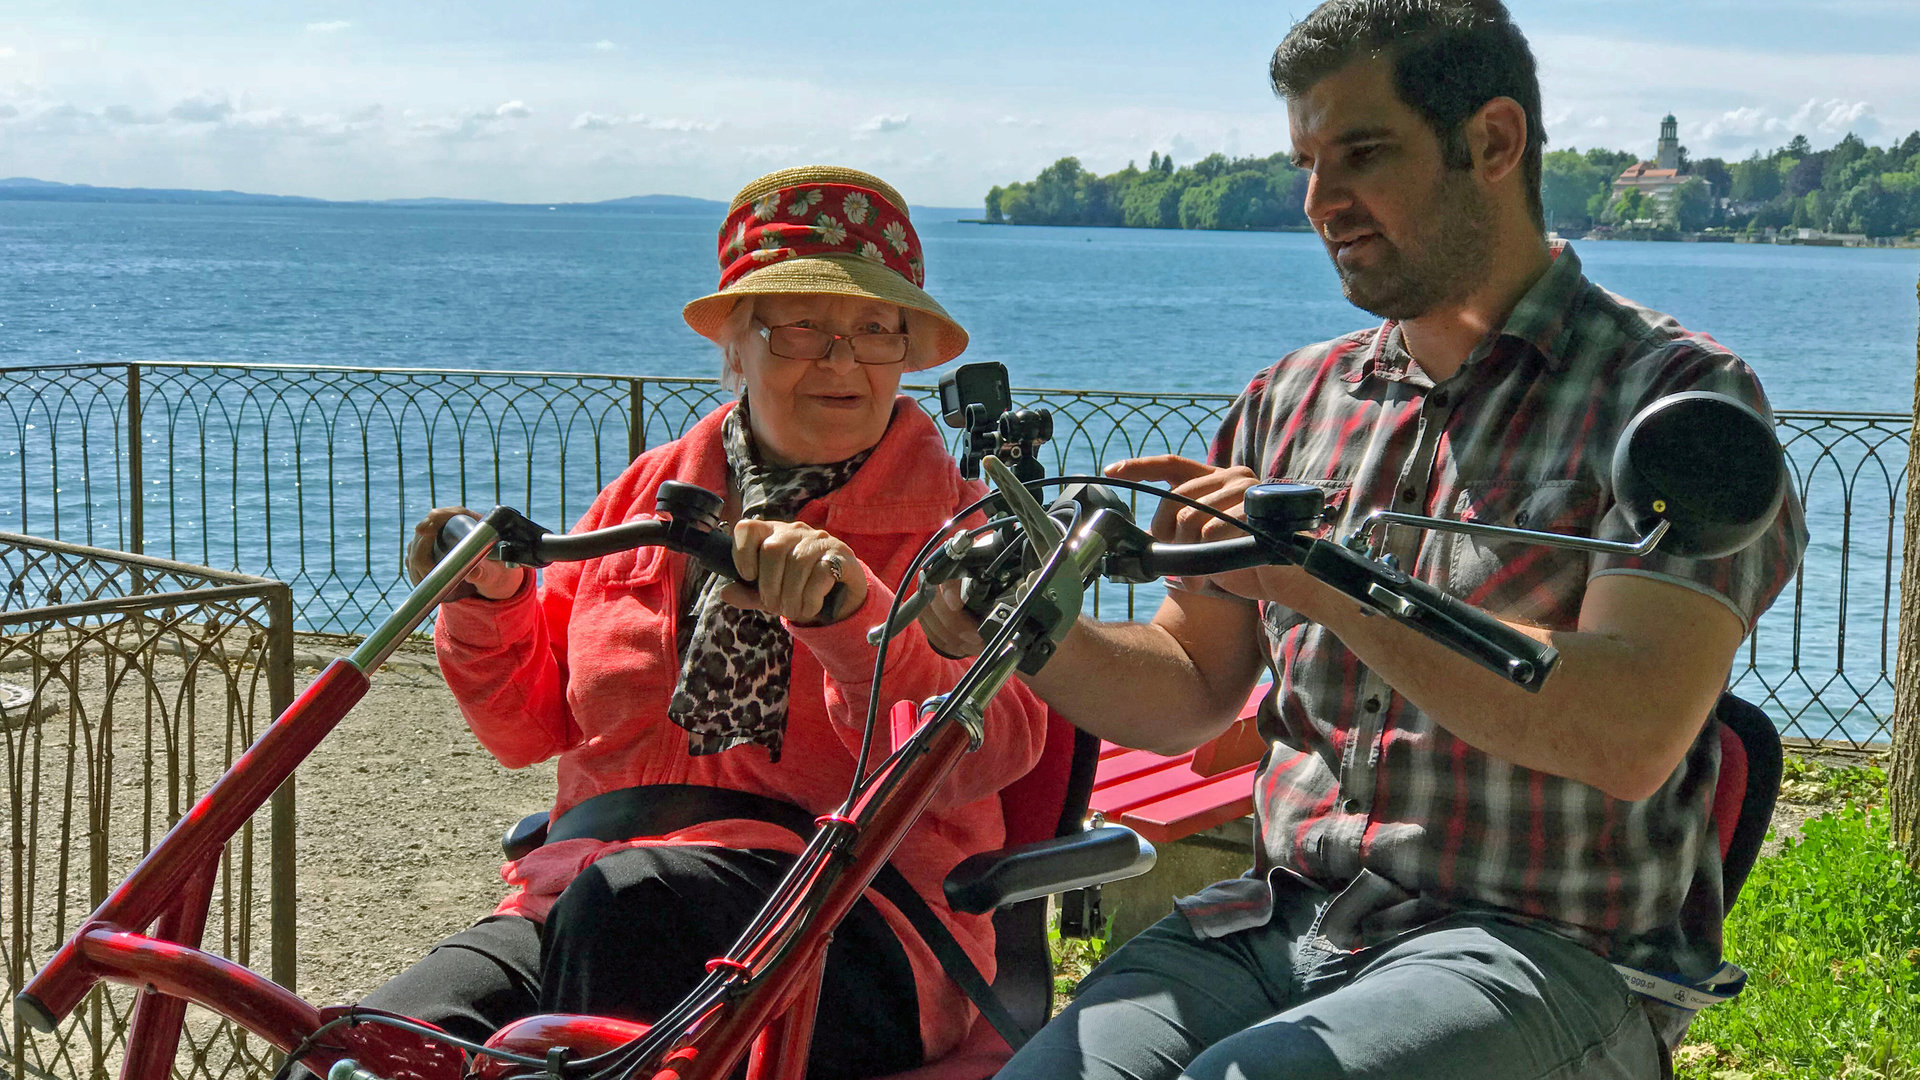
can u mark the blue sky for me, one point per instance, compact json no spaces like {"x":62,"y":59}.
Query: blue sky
{"x":580,"y":101}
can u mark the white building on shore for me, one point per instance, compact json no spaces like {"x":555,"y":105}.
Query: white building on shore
{"x":1660,"y":178}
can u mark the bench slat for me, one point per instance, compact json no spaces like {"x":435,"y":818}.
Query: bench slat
{"x":1166,"y":798}
{"x":1133,"y":764}
{"x":1216,"y":802}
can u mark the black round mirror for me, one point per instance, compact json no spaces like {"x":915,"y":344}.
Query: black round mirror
{"x":1706,"y":464}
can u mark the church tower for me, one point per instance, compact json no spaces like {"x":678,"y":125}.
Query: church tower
{"x":1668,"y":156}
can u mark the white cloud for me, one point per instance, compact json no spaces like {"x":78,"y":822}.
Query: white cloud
{"x":202,"y":109}
{"x":7,"y":52}
{"x":1749,"y":126}
{"x":8,"y":112}
{"x":1835,"y":116}
{"x":677,"y":124}
{"x":1746,"y":121}
{"x":513,"y":110}
{"x":592,"y":121}
{"x":603,"y":45}
{"x":127,"y":114}
{"x":331,"y":27}
{"x":884,"y":123}
{"x":1730,"y":100}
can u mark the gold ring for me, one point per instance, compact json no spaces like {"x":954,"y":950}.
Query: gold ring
{"x":832,"y":563}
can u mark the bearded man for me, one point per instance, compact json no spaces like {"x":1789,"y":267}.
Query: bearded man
{"x":1448,"y":868}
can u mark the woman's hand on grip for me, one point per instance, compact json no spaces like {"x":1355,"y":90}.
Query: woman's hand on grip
{"x":787,"y":569}
{"x":488,"y":579}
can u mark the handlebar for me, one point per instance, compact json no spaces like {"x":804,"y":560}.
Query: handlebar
{"x":712,"y":548}
{"x":689,"y":523}
{"x":1279,"y":519}
{"x":1279,"y":515}
{"x":1384,"y":589}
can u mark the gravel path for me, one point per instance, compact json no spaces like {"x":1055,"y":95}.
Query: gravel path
{"x":399,"y":815}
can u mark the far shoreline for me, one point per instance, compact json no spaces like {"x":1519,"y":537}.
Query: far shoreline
{"x":1883,"y":243}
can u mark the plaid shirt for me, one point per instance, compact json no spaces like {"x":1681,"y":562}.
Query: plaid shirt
{"x":1365,"y":795}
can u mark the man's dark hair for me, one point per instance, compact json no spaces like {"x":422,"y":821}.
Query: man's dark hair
{"x":1449,"y":58}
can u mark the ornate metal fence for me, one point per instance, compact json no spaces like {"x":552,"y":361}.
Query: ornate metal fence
{"x":315,"y":475}
{"x":127,"y":686}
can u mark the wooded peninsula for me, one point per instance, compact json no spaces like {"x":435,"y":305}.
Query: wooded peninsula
{"x":1850,"y":188}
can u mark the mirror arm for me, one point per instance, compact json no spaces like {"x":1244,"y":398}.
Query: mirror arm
{"x":1366,"y":536}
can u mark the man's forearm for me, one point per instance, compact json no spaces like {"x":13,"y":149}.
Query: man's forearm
{"x":1633,"y":683}
{"x":1138,"y":684}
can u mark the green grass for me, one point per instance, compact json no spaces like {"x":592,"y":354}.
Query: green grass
{"x":1829,"y":931}
{"x":1817,"y":783}
{"x":1073,"y":958}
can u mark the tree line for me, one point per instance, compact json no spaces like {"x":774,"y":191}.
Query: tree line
{"x":1215,"y":192}
{"x":1850,"y":187}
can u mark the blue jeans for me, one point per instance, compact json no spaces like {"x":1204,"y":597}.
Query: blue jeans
{"x":1466,"y":998}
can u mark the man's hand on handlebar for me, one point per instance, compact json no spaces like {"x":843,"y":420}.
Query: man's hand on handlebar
{"x":1224,"y":490}
{"x":489,"y":579}
{"x":950,"y":628}
{"x":953,"y":631}
{"x":789,"y":568}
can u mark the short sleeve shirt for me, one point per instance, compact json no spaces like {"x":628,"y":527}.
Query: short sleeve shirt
{"x":1365,"y":795}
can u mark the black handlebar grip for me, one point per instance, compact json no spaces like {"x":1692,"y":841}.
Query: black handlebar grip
{"x":714,"y":549}
{"x":451,"y":533}
{"x":1452,"y":622}
{"x":1521,"y":659}
{"x":1284,"y":508}
{"x":690,"y":503}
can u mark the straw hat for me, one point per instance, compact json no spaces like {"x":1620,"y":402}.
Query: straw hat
{"x":828,"y":230}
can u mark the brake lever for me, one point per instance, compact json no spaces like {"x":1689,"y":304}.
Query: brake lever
{"x":1044,"y":533}
{"x":942,"y":566}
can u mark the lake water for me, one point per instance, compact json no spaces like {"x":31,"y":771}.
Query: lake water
{"x":528,"y":289}
{"x":510,"y":289}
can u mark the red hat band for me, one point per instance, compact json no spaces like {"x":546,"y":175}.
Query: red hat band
{"x":819,"y":219}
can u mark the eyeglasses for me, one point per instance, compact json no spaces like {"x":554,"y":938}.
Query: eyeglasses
{"x":807,"y":343}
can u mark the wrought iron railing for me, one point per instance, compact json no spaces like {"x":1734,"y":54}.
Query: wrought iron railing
{"x":127,"y":686}
{"x":314,"y":476}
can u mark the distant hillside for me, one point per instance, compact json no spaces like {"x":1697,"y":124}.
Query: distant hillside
{"x":28,"y":189}
{"x":656,"y":204}
{"x":25,"y":188}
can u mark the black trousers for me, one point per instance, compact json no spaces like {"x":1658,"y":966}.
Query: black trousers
{"x":631,"y":936}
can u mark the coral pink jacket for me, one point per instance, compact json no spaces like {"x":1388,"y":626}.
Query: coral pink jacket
{"x":583,"y":667}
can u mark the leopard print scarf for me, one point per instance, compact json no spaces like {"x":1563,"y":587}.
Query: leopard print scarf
{"x":735,"y":665}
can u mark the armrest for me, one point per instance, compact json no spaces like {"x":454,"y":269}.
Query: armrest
{"x":525,"y":835}
{"x":994,"y":879}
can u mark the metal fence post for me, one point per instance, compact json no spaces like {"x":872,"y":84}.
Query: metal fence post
{"x":136,"y":513}
{"x":282,"y":879}
{"x":636,"y":418}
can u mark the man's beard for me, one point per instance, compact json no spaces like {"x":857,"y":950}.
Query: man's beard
{"x":1438,"y":267}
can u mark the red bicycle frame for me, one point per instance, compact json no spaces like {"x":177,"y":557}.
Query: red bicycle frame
{"x":147,"y":933}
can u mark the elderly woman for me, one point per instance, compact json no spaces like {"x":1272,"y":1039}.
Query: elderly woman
{"x":642,"y":671}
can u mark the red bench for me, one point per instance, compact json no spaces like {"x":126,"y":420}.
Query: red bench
{"x":1168,"y":798}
